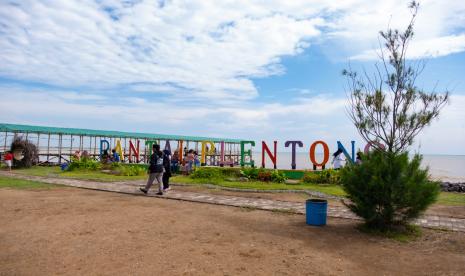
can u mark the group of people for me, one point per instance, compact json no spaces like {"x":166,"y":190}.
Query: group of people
{"x":162,"y":164}
{"x":159,"y":170}
{"x":107,"y":158}
{"x":189,"y":161}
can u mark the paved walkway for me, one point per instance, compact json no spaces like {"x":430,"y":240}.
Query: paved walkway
{"x":132,"y":187}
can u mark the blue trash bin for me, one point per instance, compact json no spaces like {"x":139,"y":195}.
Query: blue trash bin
{"x":316,"y":211}
{"x":63,"y":166}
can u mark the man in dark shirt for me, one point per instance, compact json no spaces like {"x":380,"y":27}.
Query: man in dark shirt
{"x":156,"y":170}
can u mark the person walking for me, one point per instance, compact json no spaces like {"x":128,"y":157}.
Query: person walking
{"x":190,"y":161}
{"x":338,"y":160}
{"x":9,"y":160}
{"x":358,"y":160}
{"x":156,"y":170}
{"x":167,"y":173}
{"x":175,"y":162}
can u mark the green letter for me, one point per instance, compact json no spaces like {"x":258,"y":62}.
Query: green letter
{"x":247,"y":153}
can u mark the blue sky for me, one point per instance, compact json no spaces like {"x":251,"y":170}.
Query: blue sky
{"x":259,"y":70}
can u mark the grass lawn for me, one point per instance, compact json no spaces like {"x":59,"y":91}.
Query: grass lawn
{"x":10,"y":182}
{"x":445,"y":198}
{"x":327,"y":189}
{"x":452,"y":199}
{"x":81,"y":174}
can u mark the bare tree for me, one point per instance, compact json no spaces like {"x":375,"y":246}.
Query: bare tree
{"x":387,"y":107}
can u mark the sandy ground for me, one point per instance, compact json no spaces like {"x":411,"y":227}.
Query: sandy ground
{"x":72,"y":231}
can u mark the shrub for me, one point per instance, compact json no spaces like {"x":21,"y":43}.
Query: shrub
{"x":28,"y":151}
{"x":84,"y":164}
{"x":264,"y":175}
{"x":278,"y":177}
{"x":203,"y":172}
{"x":323,"y":177}
{"x":215,"y":172}
{"x":250,"y":173}
{"x":388,"y":189}
{"x":131,"y":170}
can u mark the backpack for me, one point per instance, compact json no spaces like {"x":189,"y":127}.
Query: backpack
{"x":156,"y":163}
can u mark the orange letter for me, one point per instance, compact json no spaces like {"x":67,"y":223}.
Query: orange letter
{"x":325,"y":152}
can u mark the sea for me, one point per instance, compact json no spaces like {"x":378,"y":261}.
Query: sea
{"x":446,"y":168}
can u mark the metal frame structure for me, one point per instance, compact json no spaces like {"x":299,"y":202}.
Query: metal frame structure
{"x":56,"y":145}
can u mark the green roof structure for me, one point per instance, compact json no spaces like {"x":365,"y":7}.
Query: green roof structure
{"x":105,"y":133}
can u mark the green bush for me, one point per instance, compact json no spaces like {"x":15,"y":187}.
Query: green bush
{"x":323,"y":177}
{"x":131,"y":170}
{"x":250,"y":173}
{"x":84,"y":164}
{"x":388,"y":189}
{"x":227,"y":173}
{"x":215,"y":172}
{"x":210,"y":173}
{"x":28,"y":150}
{"x":264,"y":175}
{"x":278,"y":176}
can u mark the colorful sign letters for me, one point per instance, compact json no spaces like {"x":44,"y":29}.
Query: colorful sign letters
{"x":208,"y":148}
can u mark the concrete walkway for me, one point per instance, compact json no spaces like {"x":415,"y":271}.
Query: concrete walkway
{"x":132,"y":187}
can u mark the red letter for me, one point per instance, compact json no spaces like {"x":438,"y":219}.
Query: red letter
{"x":272,"y":157}
{"x":376,"y":144}
{"x":133,"y":149}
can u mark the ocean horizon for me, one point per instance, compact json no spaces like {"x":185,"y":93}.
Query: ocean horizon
{"x":442,"y":167}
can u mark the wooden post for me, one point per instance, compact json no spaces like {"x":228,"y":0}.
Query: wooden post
{"x":95,"y":146}
{"x":125,"y":147}
{"x":6,"y":137}
{"x":71,"y":148}
{"x":59,"y":148}
{"x":48,"y":148}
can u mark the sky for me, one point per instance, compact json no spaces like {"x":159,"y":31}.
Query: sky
{"x":253,"y":70}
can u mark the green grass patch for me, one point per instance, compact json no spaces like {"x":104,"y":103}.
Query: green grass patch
{"x":15,"y":183}
{"x":452,"y":199}
{"x":327,"y":189}
{"x":40,"y":171}
{"x":77,"y":174}
{"x":445,"y":198}
{"x":402,"y":234}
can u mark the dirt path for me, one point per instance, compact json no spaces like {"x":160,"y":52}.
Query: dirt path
{"x":72,"y":231}
{"x":335,"y":209}
{"x":436,"y":209}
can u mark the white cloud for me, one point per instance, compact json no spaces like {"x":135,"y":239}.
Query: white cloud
{"x":432,"y":48}
{"x":301,"y":119}
{"x":203,"y":49}
{"x":438,"y":27}
{"x":207,"y":49}
{"x":318,"y":117}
